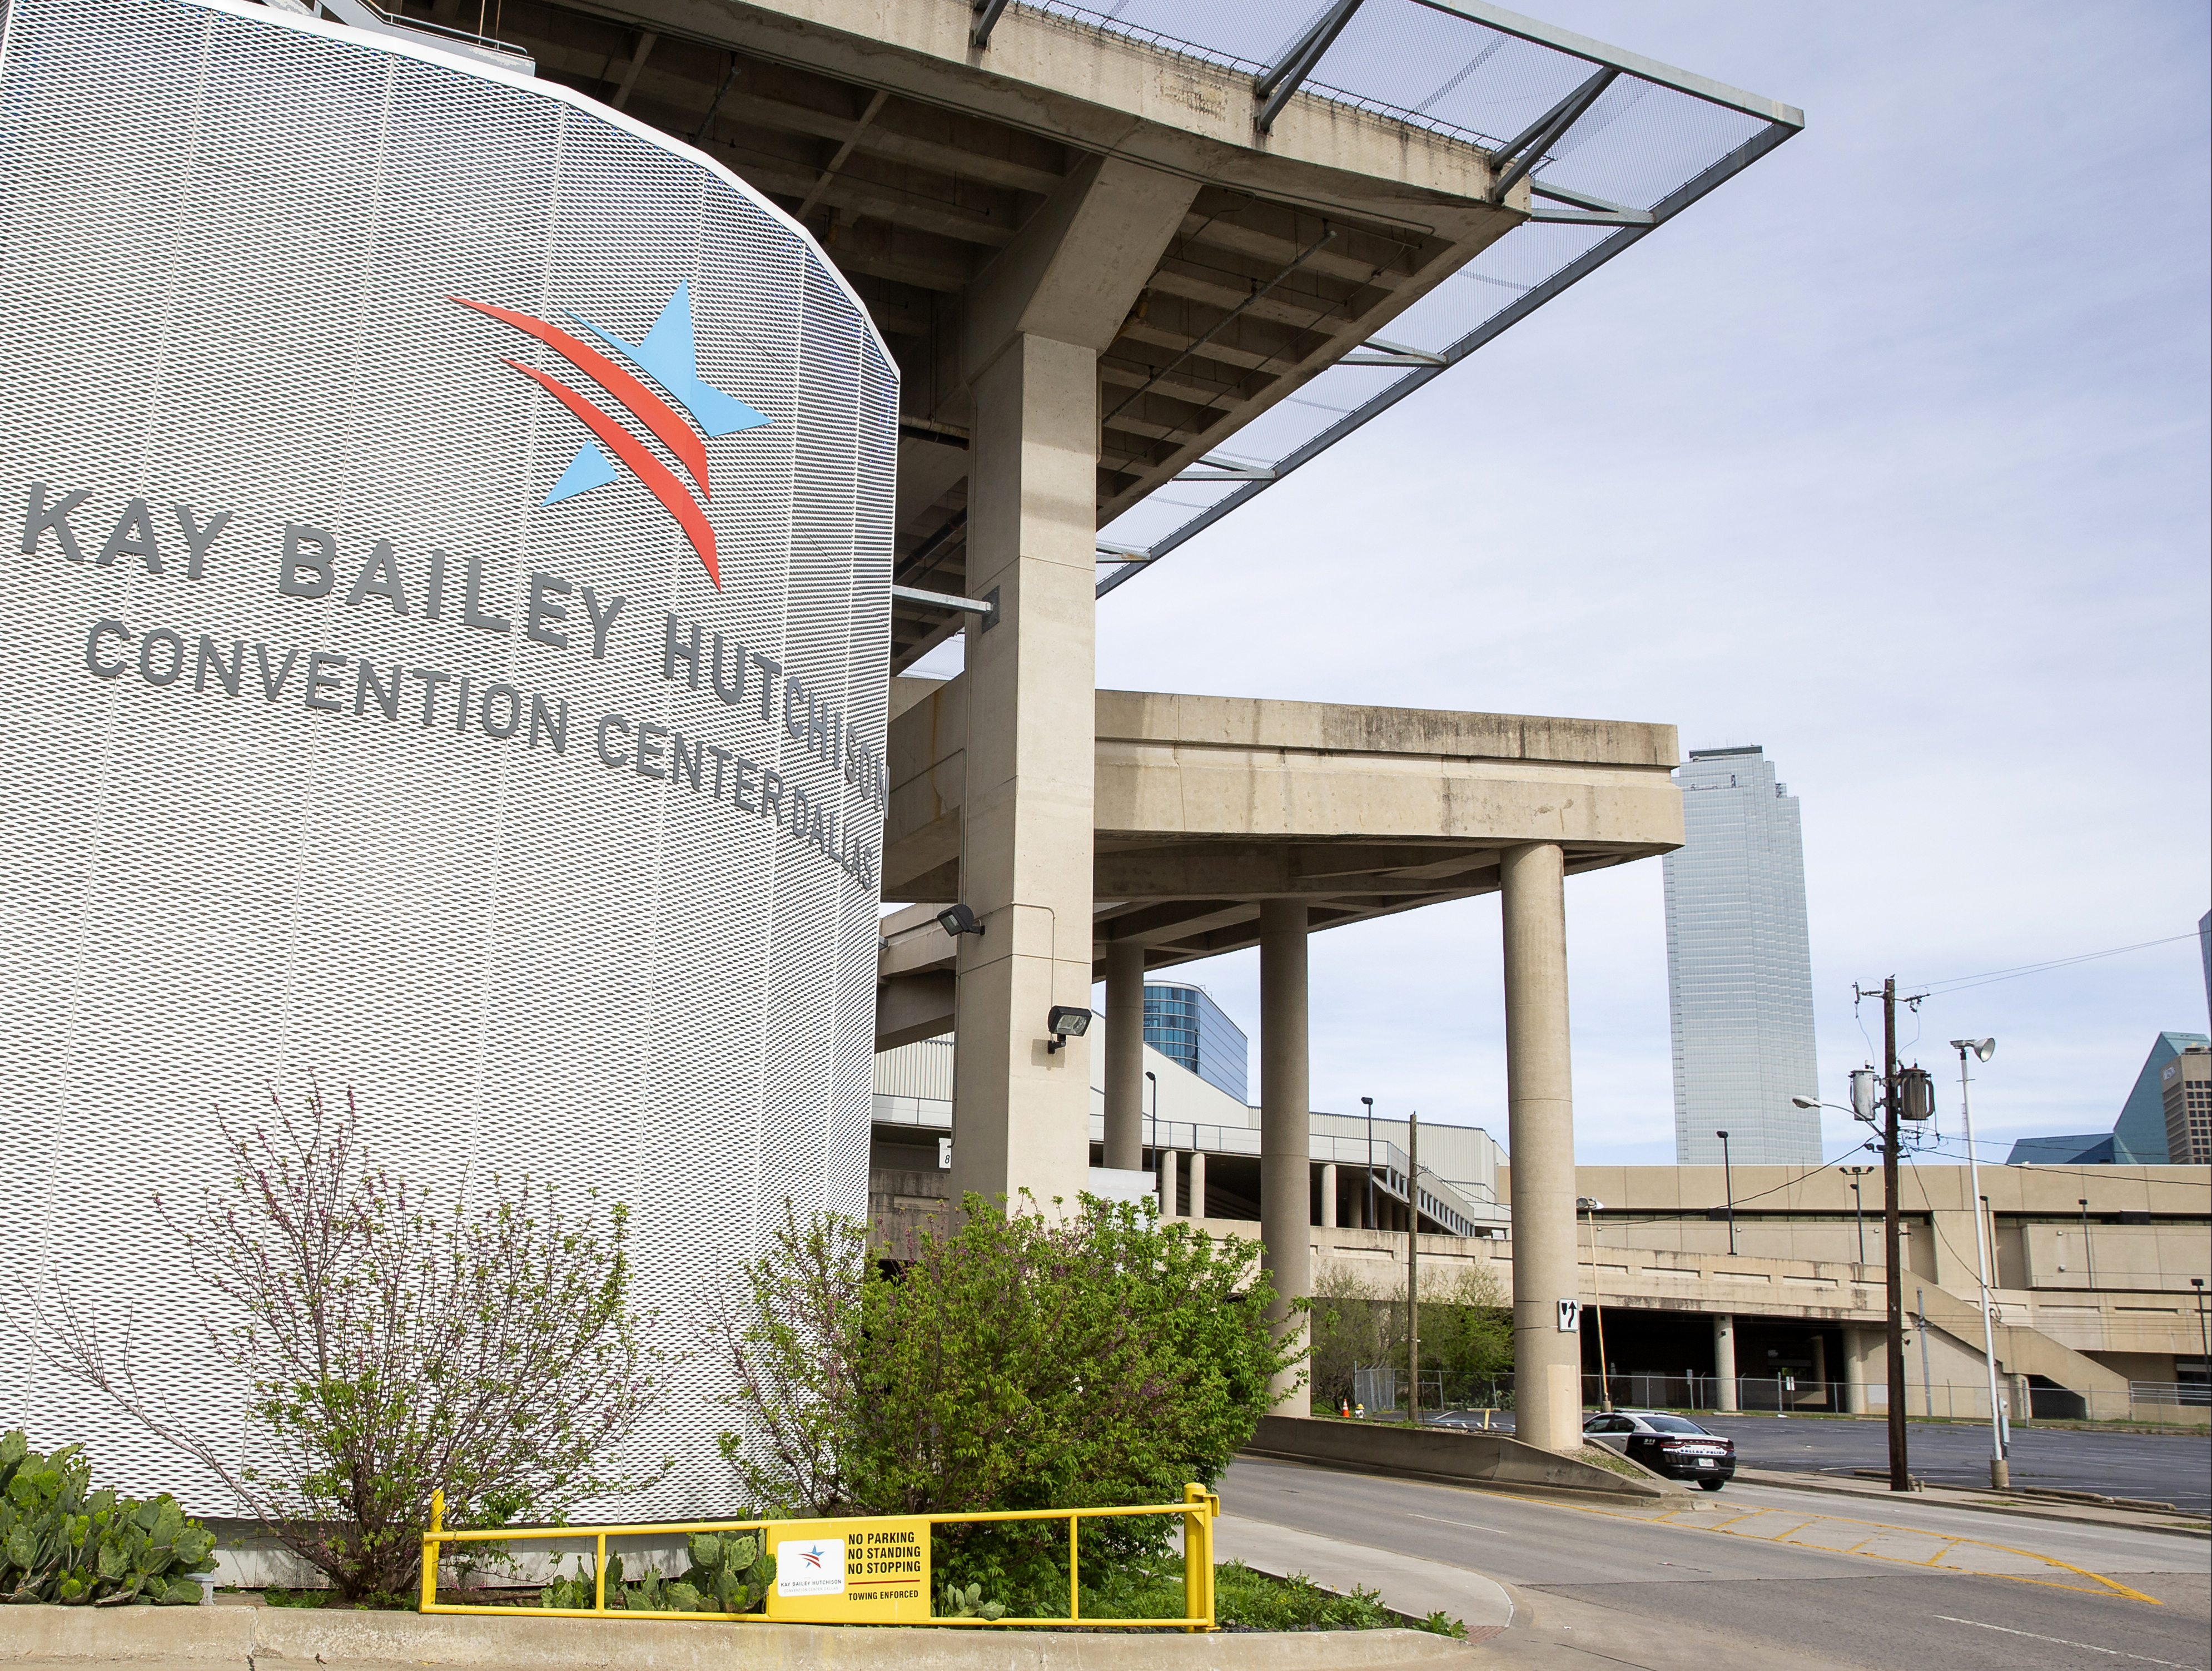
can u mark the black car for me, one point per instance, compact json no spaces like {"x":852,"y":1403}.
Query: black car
{"x":1673,"y":1445}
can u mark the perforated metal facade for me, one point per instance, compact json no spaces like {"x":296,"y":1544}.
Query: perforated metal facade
{"x":530,"y":933}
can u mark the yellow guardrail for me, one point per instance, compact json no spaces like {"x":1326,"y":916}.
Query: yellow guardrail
{"x":855,"y":1570}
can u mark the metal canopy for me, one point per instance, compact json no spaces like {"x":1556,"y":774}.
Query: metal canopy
{"x":1613,"y":145}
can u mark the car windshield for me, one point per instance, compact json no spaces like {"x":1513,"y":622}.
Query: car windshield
{"x":1671,"y":1424}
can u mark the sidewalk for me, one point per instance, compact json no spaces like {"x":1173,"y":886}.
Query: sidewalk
{"x":2179,"y":1524}
{"x":1408,"y":1585}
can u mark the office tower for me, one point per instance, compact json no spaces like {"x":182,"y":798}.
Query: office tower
{"x":2139,"y":1136}
{"x":1739,"y":967}
{"x":1185,"y":1025}
{"x":2186,"y":1090}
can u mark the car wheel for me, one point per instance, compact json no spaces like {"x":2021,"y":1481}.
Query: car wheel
{"x":1712,"y":1484}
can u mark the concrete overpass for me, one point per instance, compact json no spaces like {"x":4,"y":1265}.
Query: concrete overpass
{"x":1101,"y":252}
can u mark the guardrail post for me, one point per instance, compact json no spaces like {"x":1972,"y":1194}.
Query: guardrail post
{"x":430,"y":1545}
{"x":1072,"y":1588}
{"x":600,"y":1578}
{"x":1198,"y":1557}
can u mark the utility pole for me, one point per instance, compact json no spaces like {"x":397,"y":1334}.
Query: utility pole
{"x":1414,"y":1266}
{"x":1900,"y":1474}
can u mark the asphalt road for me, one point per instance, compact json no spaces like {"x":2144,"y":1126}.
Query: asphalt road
{"x":2174,"y":1468}
{"x":2160,"y":1468}
{"x":1602,"y":1588}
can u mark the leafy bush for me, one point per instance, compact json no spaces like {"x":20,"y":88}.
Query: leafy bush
{"x":1467,"y":1327}
{"x":391,"y":1349}
{"x":729,"y":1573}
{"x":1023,"y":1361}
{"x":60,"y":1540}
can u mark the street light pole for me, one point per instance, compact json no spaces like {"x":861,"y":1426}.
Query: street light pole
{"x":1590,"y":1209}
{"x":1858,"y":1206}
{"x":2000,"y":1470}
{"x":1413,"y":1265}
{"x":2088,"y":1259}
{"x":1155,"y":1078}
{"x":1728,"y":1177}
{"x":1370,"y":1102}
{"x":2204,"y":1333}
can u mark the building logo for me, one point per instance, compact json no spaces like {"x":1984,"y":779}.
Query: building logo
{"x":815,"y":1567}
{"x":672,"y":402}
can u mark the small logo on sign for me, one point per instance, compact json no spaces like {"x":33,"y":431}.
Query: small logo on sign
{"x":813,"y":1568}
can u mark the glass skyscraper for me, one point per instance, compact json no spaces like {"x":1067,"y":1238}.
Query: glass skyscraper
{"x":1740,"y":966}
{"x":1186,"y":1026}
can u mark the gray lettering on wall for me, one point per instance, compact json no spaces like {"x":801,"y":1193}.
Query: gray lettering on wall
{"x":608,"y":724}
{"x":601,"y":620}
{"x":673,"y":649}
{"x":511,"y":721}
{"x":271,"y":688}
{"x":434,"y":605}
{"x":804,"y":815}
{"x":199,"y":539}
{"x":94,"y":663}
{"x":308,"y":553}
{"x":211,"y":655}
{"x":324,"y":676}
{"x":379,"y":578}
{"x":543,"y":616}
{"x":133,"y":536}
{"x":41,"y":518}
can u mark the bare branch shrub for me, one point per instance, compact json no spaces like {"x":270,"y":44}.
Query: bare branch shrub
{"x":391,"y":1348}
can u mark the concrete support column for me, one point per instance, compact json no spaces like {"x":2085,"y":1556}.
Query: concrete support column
{"x":1540,"y":1112}
{"x":1820,"y":1364}
{"x":1725,"y":1359}
{"x":1855,"y":1397}
{"x":1125,"y":1054}
{"x":1023,"y":1113}
{"x":1165,"y":1160}
{"x":1198,"y":1183}
{"x":1328,"y":1196}
{"x":1031,"y":327}
{"x":1285,"y":1121}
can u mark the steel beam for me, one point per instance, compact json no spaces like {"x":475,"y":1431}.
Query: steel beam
{"x":1274,"y":86}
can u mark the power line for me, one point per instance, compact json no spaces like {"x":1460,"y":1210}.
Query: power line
{"x":1960,"y":982}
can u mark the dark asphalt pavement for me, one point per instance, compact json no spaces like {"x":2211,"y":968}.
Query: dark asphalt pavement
{"x":2174,"y":1468}
{"x":2158,"y":1467}
{"x":1603,"y":1589}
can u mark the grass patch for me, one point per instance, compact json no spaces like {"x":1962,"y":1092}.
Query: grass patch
{"x":1246,"y":1600}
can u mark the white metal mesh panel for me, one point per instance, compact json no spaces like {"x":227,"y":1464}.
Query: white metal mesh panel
{"x":229,"y":240}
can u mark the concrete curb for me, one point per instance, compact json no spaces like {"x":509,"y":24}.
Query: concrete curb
{"x":1951,"y":1497}
{"x":1496,"y":1461}
{"x":257,"y":1639}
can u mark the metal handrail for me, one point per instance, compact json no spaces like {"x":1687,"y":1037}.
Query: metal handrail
{"x":1199,"y":1509}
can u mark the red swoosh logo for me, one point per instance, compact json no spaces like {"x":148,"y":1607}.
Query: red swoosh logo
{"x":650,"y":410}
{"x":658,"y":480}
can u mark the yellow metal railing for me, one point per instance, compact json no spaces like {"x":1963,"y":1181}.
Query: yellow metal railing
{"x":882,"y":1587}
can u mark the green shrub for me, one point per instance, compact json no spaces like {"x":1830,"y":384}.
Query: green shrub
{"x":60,"y":1540}
{"x":1026,"y":1360}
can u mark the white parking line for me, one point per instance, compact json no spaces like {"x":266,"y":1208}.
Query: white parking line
{"x":1469,"y":1524}
{"x":2063,"y":1643}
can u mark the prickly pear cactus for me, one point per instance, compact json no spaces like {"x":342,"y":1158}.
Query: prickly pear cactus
{"x":62,"y":1542}
{"x":968,"y":1603}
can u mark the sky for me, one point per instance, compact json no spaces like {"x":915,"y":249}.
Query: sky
{"x":1891,"y":456}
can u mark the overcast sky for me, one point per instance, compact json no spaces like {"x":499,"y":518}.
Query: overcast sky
{"x":1891,"y":456}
